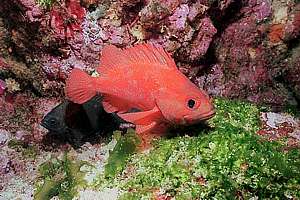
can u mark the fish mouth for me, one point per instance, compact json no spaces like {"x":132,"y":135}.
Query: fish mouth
{"x":204,"y":116}
{"x":208,"y":115}
{"x":45,"y":124}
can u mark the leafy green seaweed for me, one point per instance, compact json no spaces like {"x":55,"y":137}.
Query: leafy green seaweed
{"x":228,"y":162}
{"x":60,"y":178}
{"x":124,"y":148}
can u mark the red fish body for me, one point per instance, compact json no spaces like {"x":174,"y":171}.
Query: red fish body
{"x":145,"y":79}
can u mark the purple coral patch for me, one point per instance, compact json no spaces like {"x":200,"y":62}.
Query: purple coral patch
{"x":262,"y":9}
{"x":2,"y":87}
{"x":204,"y":38}
{"x":178,"y":19}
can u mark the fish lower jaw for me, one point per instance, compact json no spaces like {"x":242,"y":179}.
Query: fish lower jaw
{"x":191,"y":120}
{"x":209,"y":115}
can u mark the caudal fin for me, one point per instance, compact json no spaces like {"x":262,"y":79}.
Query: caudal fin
{"x":80,"y":87}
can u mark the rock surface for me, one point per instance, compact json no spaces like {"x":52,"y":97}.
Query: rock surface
{"x":252,"y":43}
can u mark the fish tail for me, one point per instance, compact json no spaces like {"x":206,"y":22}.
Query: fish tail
{"x":80,"y":87}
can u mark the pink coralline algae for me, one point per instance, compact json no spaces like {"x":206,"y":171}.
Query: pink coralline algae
{"x":118,"y":35}
{"x":32,"y":10}
{"x":4,"y":164}
{"x":26,"y":126}
{"x":178,"y":19}
{"x":213,"y":81}
{"x":67,"y":20}
{"x":293,"y":73}
{"x":262,"y":9}
{"x":6,"y":109}
{"x":4,"y":137}
{"x":196,"y":9}
{"x":223,"y":4}
{"x":292,"y":27}
{"x":58,"y":68}
{"x":2,"y":87}
{"x":155,"y":11}
{"x":203,"y":40}
{"x":248,"y":62}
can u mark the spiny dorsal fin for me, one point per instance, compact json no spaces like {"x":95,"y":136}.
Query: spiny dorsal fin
{"x":113,"y":57}
{"x":148,"y":53}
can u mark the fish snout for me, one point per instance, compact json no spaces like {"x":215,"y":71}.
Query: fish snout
{"x":52,"y":124}
{"x":209,"y":114}
{"x":193,"y":119}
{"x":45,"y":123}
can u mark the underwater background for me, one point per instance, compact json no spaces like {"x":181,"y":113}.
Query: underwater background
{"x":245,"y":54}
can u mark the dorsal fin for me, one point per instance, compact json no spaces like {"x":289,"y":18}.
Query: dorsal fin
{"x":148,"y":53}
{"x":111,"y":57}
{"x":139,"y":54}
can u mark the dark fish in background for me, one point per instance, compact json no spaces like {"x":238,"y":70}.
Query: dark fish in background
{"x":78,"y":123}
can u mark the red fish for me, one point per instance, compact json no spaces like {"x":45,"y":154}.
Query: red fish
{"x":143,"y":79}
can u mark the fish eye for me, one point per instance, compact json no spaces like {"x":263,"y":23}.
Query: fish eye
{"x":52,"y":121}
{"x":191,"y":103}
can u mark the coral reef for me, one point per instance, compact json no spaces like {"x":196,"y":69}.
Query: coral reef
{"x":251,"y":62}
{"x":249,"y":42}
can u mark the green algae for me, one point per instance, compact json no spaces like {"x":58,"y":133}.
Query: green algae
{"x":124,"y":148}
{"x":293,"y":110}
{"x":27,"y":150}
{"x":59,"y":178}
{"x":227,"y":162}
{"x":46,"y":3}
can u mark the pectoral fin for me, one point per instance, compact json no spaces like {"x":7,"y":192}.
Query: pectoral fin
{"x":113,"y":103}
{"x":141,"y":118}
